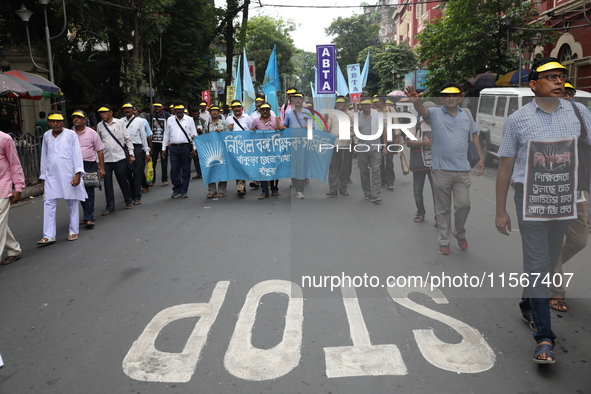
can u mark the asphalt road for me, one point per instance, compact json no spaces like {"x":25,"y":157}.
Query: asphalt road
{"x":222,"y":296}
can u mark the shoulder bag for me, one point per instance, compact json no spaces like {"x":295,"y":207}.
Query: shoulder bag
{"x":129,"y":165}
{"x":473,"y":156}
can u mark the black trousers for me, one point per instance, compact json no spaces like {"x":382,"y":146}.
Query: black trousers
{"x":157,"y":152}
{"x":137,"y":174}
{"x":122,"y":175}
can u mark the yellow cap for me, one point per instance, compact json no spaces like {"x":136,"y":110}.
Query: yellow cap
{"x":103,"y":109}
{"x":366,"y":101}
{"x":127,"y":105}
{"x":569,"y":86}
{"x":157,"y":105}
{"x":389,"y":101}
{"x":55,"y":117}
{"x":78,"y":113}
{"x":297,"y":95}
{"x":186,"y":111}
{"x":259,"y":99}
{"x":549,"y":66}
{"x":214,"y":107}
{"x":340,"y":100}
{"x":236,"y":103}
{"x":451,"y":90}
{"x":179,"y":106}
{"x":375,"y":99}
{"x":265,"y":106}
{"x":291,"y":91}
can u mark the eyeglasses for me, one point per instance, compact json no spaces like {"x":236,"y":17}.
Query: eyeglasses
{"x":552,"y":77}
{"x":570,"y":93}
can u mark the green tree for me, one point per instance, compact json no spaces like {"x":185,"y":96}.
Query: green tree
{"x":354,"y":34}
{"x":303,"y":72}
{"x":262,"y":33}
{"x":386,"y":62}
{"x":474,"y":36}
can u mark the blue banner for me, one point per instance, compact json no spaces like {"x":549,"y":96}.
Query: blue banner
{"x":264,"y":155}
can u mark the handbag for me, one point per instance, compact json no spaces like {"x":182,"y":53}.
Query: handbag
{"x":473,"y":156}
{"x":91,"y":177}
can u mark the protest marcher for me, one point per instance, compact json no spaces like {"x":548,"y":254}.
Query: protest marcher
{"x":297,"y":118}
{"x":451,"y":127}
{"x":141,"y":150}
{"x":420,"y":163}
{"x":216,"y":124}
{"x":239,"y":121}
{"x":119,"y":157}
{"x":266,"y":121}
{"x":158,"y":123}
{"x":342,"y":156}
{"x":61,"y":170}
{"x":387,"y":163}
{"x":545,"y":117}
{"x":287,"y":105}
{"x":370,"y":157}
{"x":203,"y":113}
{"x":179,"y":133}
{"x":144,"y":117}
{"x":257,"y":113}
{"x":91,"y":147}
{"x":577,"y":232}
{"x":12,"y":182}
{"x":199,"y":124}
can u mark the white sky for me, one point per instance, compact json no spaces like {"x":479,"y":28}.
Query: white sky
{"x":311,"y":21}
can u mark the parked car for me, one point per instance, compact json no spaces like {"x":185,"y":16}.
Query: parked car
{"x":495,"y":105}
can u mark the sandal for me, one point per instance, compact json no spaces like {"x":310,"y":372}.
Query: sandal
{"x":558,"y":304}
{"x":137,"y":202}
{"x":419,"y":218}
{"x":164,"y":183}
{"x":128,"y":207}
{"x":529,"y":319}
{"x":46,"y":241}
{"x":72,"y":237}
{"x":210,"y":195}
{"x":545,"y":346}
{"x":107,"y":213}
{"x":220,"y":195}
{"x":263,"y":196}
{"x":89,"y":224}
{"x":11,"y":259}
{"x":275,"y":194}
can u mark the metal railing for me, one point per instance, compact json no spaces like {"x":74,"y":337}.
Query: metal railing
{"x":28,"y":148}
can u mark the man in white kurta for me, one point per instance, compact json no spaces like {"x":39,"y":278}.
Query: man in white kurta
{"x":62,"y":170}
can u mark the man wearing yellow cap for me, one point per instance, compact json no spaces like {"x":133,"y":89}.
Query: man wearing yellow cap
{"x":178,"y":135}
{"x":62,"y":169}
{"x":257,"y":113}
{"x":135,"y":127}
{"x":545,"y":117}
{"x":287,"y":105}
{"x":203,"y":113}
{"x":369,"y":153}
{"x":157,"y":124}
{"x":239,"y":121}
{"x":451,"y":129}
{"x":216,"y":124}
{"x":119,"y":156}
{"x":92,"y":149}
{"x":342,"y":156}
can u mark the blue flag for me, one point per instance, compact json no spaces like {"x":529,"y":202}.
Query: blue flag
{"x":238,"y":93}
{"x":271,"y":83}
{"x":342,"y":87}
{"x":365,"y":71}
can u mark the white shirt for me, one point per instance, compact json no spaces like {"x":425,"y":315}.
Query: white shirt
{"x":113,"y":152}
{"x":136,"y":131}
{"x":174,"y":134}
{"x":244,"y":120}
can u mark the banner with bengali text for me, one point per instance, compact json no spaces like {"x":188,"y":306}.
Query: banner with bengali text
{"x":264,"y":155}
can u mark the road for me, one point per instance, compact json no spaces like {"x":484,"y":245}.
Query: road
{"x":221,"y":296}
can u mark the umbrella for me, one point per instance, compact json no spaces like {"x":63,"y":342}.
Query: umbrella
{"x":397,"y":93}
{"x":23,"y":89}
{"x":512,"y":78}
{"x":49,"y":88}
{"x":484,"y":80}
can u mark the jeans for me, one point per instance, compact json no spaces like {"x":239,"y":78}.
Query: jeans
{"x":541,"y":243}
{"x":88,"y":205}
{"x":418,"y":183}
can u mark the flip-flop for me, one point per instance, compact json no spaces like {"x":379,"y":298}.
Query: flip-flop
{"x":164,"y":183}
{"x":419,"y":219}
{"x":544,"y":346}
{"x":89,"y":224}
{"x":107,"y":213}
{"x":72,"y":237}
{"x":556,"y":303}
{"x":11,"y":259}
{"x":46,"y":241}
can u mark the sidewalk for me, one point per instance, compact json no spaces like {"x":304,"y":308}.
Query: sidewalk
{"x":32,"y":191}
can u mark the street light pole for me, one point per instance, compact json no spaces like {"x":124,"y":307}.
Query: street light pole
{"x":47,"y":42}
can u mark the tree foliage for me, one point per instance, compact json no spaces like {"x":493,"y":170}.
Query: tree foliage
{"x":474,"y":36}
{"x":354,"y":34}
{"x":262,"y":33}
{"x":386,"y":62}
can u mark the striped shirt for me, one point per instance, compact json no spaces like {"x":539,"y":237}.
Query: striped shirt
{"x":531,"y":121}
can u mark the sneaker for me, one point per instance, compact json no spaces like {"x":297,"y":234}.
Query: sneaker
{"x":444,"y":250}
{"x":376,"y":200}
{"x":175,"y":195}
{"x":184,"y":195}
{"x":463,"y":244}
{"x":300,"y":196}
{"x":255,"y":184}
{"x":390,"y":187}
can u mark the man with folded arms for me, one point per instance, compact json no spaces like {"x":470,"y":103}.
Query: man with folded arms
{"x":141,"y":150}
{"x":239,"y":121}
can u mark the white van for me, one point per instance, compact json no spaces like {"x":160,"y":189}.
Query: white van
{"x":495,"y":105}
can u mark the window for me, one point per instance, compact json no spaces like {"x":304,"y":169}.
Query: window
{"x":501,"y":103}
{"x":513,"y":105}
{"x":487,"y":104}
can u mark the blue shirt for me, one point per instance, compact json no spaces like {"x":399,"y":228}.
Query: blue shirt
{"x":531,"y":121}
{"x":450,"y":138}
{"x":292,"y":120}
